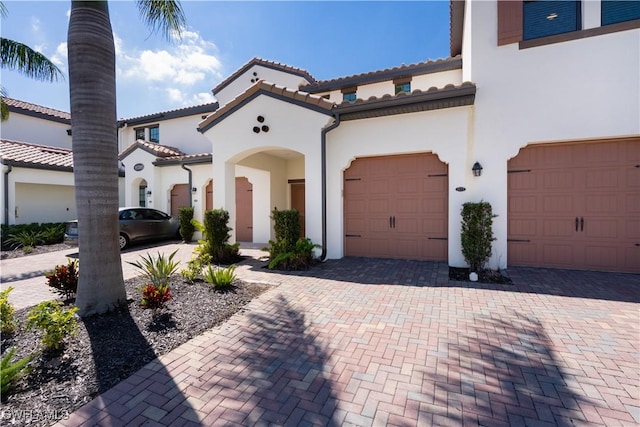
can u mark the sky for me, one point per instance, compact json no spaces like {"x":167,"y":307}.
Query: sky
{"x":328,"y":39}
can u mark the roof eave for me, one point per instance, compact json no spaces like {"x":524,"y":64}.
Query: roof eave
{"x":463,"y":95}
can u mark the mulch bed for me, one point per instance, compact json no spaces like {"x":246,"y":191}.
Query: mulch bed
{"x":42,"y":249}
{"x":484,"y":276}
{"x":108,"y":348}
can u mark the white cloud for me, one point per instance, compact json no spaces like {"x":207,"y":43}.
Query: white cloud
{"x":193,"y":60}
{"x":59,"y":57}
{"x":35,"y":24}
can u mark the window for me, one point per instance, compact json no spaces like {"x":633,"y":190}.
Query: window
{"x":613,"y":12}
{"x":140,"y":134}
{"x":142,"y":196}
{"x":349,"y":94}
{"x":402,"y":85}
{"x":546,"y":18}
{"x":154,"y":134}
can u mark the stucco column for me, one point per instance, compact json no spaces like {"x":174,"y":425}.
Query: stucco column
{"x":313,"y":192}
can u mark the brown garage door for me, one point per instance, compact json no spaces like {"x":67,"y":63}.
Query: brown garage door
{"x":576,"y":205}
{"x":396,"y":207}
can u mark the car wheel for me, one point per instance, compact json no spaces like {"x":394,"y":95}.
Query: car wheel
{"x":124,"y":241}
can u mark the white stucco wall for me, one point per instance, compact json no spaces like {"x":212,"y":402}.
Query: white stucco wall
{"x":243,"y":82}
{"x":442,"y":132}
{"x":34,"y":130}
{"x":581,"y":89}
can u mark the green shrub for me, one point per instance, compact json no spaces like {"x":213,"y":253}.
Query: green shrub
{"x":477,"y":234}
{"x":7,"y":319}
{"x":158,"y":270}
{"x":11,"y":372}
{"x":220,"y":277}
{"x":56,"y":323}
{"x":25,"y":239}
{"x":50,"y":233}
{"x":185,"y":216}
{"x":53,"y":233}
{"x":289,"y":251}
{"x":195,"y":266}
{"x":64,"y":278}
{"x":154,"y":297}
{"x":301,"y":257}
{"x":216,"y":234}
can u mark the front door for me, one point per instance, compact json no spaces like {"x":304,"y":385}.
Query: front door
{"x":298,"y":203}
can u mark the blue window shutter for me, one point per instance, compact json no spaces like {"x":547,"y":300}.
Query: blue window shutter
{"x":619,"y":11}
{"x":546,"y":18}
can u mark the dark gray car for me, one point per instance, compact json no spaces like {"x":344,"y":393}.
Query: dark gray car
{"x":136,"y":225}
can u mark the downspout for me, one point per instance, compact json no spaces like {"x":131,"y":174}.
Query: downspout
{"x":6,"y":193}
{"x":183,"y":166}
{"x":323,"y":156}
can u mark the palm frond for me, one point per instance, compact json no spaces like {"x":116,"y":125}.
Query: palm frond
{"x":3,"y":105}
{"x":20,"y":57}
{"x":3,"y":10}
{"x":164,"y":16}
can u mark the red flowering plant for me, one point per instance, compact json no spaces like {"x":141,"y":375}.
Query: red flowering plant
{"x":155,"y":297}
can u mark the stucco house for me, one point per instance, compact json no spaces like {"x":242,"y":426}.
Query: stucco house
{"x":536,"y":110}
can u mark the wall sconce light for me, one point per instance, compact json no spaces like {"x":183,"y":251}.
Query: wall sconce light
{"x":148,"y":192}
{"x":194,"y":189}
{"x":477,"y":169}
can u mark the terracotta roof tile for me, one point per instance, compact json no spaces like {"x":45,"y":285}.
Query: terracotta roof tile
{"x":172,"y":114}
{"x":40,"y":156}
{"x":157,"y":150}
{"x":23,"y":106}
{"x":429,"y":66}
{"x":187,"y":158}
{"x":266,"y":87}
{"x":270,"y":64}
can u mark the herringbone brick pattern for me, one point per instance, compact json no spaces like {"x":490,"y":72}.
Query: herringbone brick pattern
{"x":361,"y":342}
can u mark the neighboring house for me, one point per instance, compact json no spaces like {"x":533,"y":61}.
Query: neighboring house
{"x":541,"y":98}
{"x":37,"y":183}
{"x":36,"y":124}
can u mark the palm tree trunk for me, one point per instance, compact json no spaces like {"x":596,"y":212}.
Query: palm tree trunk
{"x":92,"y":85}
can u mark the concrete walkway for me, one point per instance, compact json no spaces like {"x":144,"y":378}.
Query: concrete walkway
{"x":361,"y":342}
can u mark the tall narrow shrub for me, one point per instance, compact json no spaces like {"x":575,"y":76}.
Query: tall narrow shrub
{"x":217,"y":236}
{"x":185,"y":215}
{"x":477,"y":234}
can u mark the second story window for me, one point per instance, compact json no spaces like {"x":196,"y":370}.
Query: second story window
{"x":547,"y":18}
{"x":140,"y":134}
{"x":613,"y":12}
{"x":349,"y":94}
{"x":402,"y":85}
{"x":154,"y":134}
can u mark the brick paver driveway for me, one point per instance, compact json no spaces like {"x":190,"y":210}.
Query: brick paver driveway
{"x":378,"y":342}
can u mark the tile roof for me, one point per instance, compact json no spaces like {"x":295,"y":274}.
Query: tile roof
{"x":418,"y":100}
{"x":171,"y":114}
{"x":403,"y":70}
{"x":28,"y":108}
{"x":262,"y":87}
{"x":157,"y":150}
{"x":186,"y":159}
{"x":269,"y":64}
{"x":35,"y":156}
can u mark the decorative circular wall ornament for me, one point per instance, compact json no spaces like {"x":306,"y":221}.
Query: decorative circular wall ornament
{"x":256,"y":129}
{"x":138,"y":167}
{"x":265,"y":128}
{"x":260,"y":119}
